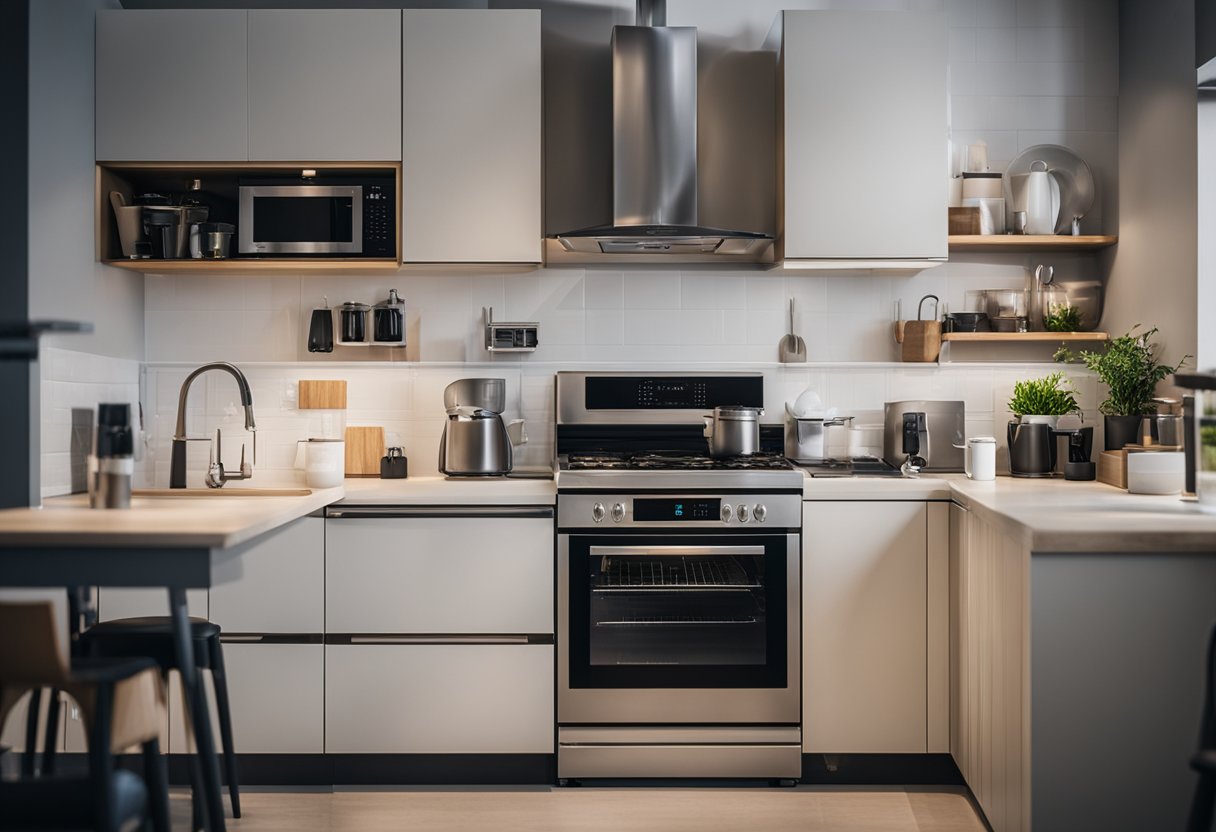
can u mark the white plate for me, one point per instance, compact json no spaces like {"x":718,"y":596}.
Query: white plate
{"x":1072,"y":180}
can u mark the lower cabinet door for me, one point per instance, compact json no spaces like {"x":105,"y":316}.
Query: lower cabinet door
{"x":276,"y":694}
{"x":439,"y":699}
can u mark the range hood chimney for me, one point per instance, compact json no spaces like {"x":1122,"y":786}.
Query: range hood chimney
{"x":654,"y":148}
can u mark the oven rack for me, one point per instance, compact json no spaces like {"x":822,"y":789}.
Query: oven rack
{"x":632,"y":574}
{"x":676,"y":620}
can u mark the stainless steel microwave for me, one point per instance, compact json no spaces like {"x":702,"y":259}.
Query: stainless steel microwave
{"x":344,"y":217}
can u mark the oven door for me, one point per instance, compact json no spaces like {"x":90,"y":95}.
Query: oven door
{"x":678,"y":628}
{"x":301,"y":219}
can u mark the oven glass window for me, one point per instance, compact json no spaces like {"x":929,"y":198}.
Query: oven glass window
{"x":303,"y":219}
{"x":669,"y":615}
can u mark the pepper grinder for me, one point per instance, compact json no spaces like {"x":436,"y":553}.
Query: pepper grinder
{"x":115,"y":454}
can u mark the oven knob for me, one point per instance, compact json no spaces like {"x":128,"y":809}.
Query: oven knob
{"x":597,"y":512}
{"x":618,"y":512}
{"x":727,"y":511}
{"x":760,"y":513}
{"x":742,"y":511}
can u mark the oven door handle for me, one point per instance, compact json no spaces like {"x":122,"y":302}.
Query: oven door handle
{"x":695,"y":551}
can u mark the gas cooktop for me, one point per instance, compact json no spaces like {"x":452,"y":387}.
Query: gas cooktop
{"x":674,"y":461}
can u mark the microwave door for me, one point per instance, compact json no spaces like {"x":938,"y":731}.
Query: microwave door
{"x":301,"y":219}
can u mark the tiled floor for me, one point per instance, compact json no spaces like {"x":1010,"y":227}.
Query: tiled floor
{"x":590,"y":809}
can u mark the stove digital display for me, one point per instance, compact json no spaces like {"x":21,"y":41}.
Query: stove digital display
{"x":696,"y":509}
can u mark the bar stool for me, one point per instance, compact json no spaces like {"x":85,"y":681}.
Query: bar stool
{"x":152,"y":636}
{"x":1204,"y":801}
{"x":122,"y":702}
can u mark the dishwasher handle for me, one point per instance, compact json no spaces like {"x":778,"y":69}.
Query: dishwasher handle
{"x":384,"y":512}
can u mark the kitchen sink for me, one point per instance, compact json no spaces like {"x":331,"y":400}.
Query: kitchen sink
{"x":221,"y":492}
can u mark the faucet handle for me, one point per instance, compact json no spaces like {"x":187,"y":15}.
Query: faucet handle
{"x":246,"y":468}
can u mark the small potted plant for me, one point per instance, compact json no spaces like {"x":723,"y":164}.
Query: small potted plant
{"x":1131,"y":371}
{"x":1043,"y":400}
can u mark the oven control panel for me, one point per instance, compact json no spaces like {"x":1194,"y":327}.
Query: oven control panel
{"x":741,"y":510}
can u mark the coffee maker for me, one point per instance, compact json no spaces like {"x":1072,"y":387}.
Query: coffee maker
{"x":475,"y":442}
{"x":1032,"y":451}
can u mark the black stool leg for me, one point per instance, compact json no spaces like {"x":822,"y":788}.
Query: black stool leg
{"x":221,"y":702}
{"x":52,"y":734}
{"x":29,"y":760}
{"x":197,"y":797}
{"x":1202,"y":804}
{"x":101,"y":764}
{"x":157,"y":778}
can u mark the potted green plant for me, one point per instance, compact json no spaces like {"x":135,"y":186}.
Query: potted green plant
{"x":1043,"y":400}
{"x":1131,"y":371}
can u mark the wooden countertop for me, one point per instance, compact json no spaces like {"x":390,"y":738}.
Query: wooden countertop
{"x":204,"y":521}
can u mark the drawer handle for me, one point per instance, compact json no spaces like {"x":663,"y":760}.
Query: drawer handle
{"x":513,"y":639}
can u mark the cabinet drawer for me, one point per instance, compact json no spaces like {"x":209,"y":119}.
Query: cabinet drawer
{"x":282,"y":584}
{"x":439,"y":699}
{"x":439,"y":575}
{"x":277,"y":697}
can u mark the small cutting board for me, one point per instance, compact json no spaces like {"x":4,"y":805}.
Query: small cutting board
{"x":364,"y":448}
{"x":322,"y":395}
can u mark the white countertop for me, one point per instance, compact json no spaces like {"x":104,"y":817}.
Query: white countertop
{"x":203,"y":521}
{"x":1047,"y":515}
{"x":437,"y":491}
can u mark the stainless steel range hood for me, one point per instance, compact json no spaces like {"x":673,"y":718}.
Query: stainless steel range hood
{"x":654,"y":149}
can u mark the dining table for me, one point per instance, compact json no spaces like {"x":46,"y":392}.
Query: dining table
{"x":193,"y":539}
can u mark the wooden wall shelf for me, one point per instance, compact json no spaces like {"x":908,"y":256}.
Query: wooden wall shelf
{"x":1014,"y":243}
{"x":259,"y":265}
{"x":1025,"y":337}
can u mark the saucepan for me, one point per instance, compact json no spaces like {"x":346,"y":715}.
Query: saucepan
{"x":733,"y":430}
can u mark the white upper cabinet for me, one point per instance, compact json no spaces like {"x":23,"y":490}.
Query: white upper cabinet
{"x":862,"y":98}
{"x":324,"y":85}
{"x":471,"y":136}
{"x":171,"y":85}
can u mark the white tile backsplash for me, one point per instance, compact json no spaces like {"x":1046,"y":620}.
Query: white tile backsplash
{"x":71,"y":382}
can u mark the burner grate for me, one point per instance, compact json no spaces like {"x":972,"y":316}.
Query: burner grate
{"x":671,"y":461}
{"x":617,"y":574}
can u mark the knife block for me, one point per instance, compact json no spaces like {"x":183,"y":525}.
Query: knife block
{"x":921,"y":341}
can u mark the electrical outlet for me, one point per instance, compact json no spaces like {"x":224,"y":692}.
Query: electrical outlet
{"x":290,"y":393}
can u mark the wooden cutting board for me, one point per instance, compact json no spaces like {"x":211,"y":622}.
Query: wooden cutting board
{"x":323,"y":395}
{"x":364,"y":448}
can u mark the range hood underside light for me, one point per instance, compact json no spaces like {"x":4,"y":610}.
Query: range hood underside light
{"x":663,"y":240}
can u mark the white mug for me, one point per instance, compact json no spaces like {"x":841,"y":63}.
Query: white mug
{"x":979,"y":461}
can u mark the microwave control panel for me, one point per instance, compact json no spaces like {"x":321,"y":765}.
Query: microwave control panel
{"x":379,"y":224}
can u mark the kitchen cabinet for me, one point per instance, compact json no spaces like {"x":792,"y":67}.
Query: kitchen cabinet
{"x":324,"y":85}
{"x":439,"y":698}
{"x":471,"y":136}
{"x":439,"y":624}
{"x":281,"y":588}
{"x":862,"y":131}
{"x":428,"y":574}
{"x":875,"y":627}
{"x":277,"y":695}
{"x":171,"y":85}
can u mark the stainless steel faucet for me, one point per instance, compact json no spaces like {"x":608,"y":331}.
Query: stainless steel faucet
{"x":216,"y":476}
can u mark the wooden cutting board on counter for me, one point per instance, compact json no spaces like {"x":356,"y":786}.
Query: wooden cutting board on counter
{"x":364,"y":448}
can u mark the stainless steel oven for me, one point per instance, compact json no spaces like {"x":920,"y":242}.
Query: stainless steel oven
{"x":351,"y":216}
{"x":674,"y":617}
{"x":678,"y":584}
